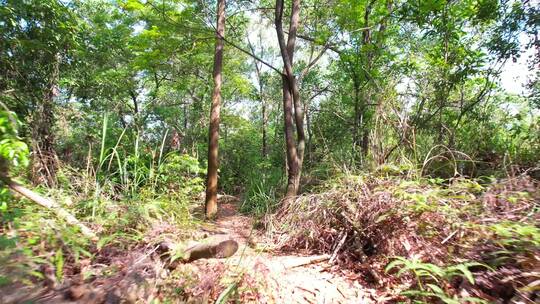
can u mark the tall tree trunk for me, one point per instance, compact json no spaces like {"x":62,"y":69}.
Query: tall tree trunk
{"x":366,"y":38}
{"x":290,"y":145}
{"x":291,"y":97}
{"x":213,"y":133}
{"x":45,"y":160}
{"x":365,"y":139}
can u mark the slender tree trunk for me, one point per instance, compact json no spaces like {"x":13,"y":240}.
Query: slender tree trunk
{"x":298,"y":108}
{"x":291,"y":98}
{"x":363,"y":135}
{"x":185,"y":110}
{"x":213,"y":133}
{"x":263,"y":108}
{"x":366,"y":38}
{"x":45,"y":160}
{"x":264,"y":128}
{"x":292,"y":157}
{"x":365,"y":139}
{"x":356,"y":124}
{"x":309,"y":144}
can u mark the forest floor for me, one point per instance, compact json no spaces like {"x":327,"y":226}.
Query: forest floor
{"x":477,"y":242}
{"x":255,"y":273}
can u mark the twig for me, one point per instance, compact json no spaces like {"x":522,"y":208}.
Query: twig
{"x":306,"y":290}
{"x":338,"y":248}
{"x":145,"y":256}
{"x":449,"y":237}
{"x":311,"y":260}
{"x":47,"y":203}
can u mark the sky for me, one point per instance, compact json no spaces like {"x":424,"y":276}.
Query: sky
{"x":514,"y":75}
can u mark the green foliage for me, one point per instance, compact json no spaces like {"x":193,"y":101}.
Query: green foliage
{"x":38,"y":239}
{"x":59,"y":264}
{"x":516,"y":236}
{"x":226,"y":294}
{"x":13,"y":150}
{"x":430,"y":278}
{"x":437,"y":293}
{"x":13,"y":156}
{"x":262,"y":190}
{"x":180,"y":172}
{"x":405,"y":90}
{"x":165,"y":195}
{"x":36,"y":39}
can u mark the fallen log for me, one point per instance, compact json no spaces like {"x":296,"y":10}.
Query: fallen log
{"x":49,"y":204}
{"x":213,"y":249}
{"x":219,"y":250}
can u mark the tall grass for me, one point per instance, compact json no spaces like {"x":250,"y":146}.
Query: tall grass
{"x":136,"y":185}
{"x":263,"y":191}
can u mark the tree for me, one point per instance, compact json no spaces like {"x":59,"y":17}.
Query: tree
{"x":37,"y":37}
{"x":291,"y":97}
{"x":260,"y":94}
{"x":213,"y":130}
{"x":362,"y":57}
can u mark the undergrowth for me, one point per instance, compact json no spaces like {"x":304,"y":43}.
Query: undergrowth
{"x":128,"y":199}
{"x":423,"y":239}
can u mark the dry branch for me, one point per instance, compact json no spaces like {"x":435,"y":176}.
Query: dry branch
{"x":49,"y":204}
{"x":338,"y":248}
{"x":309,"y":260}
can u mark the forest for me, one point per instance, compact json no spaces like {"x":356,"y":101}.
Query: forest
{"x":269,"y":151}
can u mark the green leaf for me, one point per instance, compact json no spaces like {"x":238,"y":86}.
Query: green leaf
{"x":225,"y":294}
{"x":435,"y":288}
{"x":59,"y":264}
{"x":394,"y":264}
{"x":133,"y":5}
{"x":4,"y":281}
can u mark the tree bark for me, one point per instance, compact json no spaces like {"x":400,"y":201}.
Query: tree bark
{"x":213,"y":133}
{"x":366,"y":38}
{"x":309,"y":142}
{"x":291,"y":97}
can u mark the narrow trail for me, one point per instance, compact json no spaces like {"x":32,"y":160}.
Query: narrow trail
{"x":289,"y":278}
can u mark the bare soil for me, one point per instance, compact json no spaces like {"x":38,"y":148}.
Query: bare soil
{"x":286,"y":278}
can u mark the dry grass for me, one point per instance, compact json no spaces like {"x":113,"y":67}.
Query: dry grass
{"x":363,"y":222}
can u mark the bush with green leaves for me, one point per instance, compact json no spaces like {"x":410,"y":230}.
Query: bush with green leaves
{"x":13,"y":155}
{"x":166,"y":194}
{"x":180,"y":173}
{"x":430,"y":277}
{"x":516,"y":237}
{"x":17,"y":235}
{"x":13,"y":151}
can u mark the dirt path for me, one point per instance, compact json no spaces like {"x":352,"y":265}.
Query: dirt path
{"x":287,"y":278}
